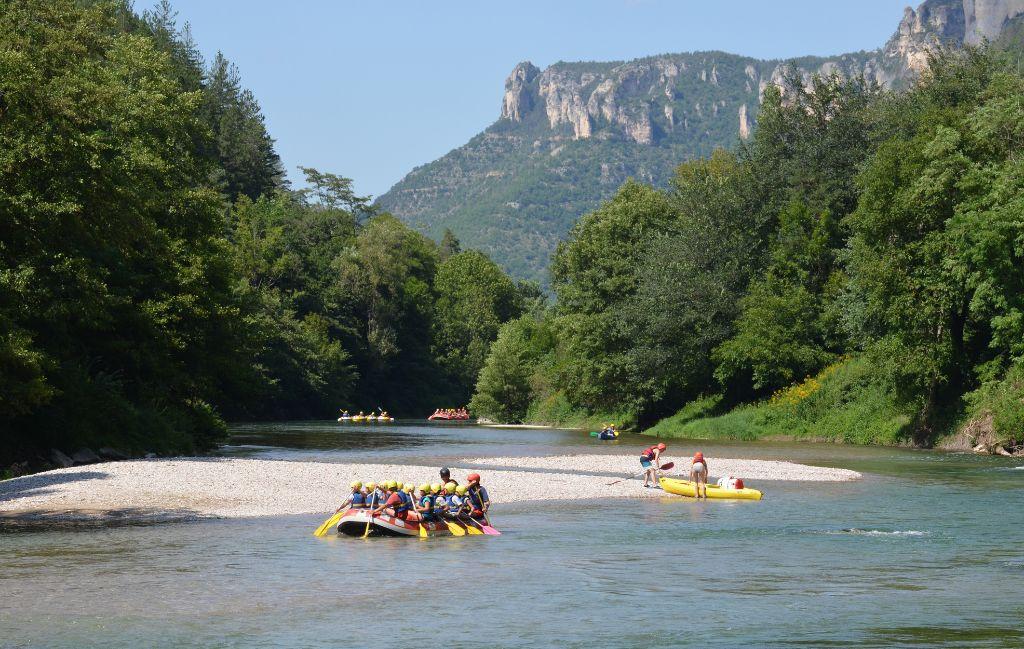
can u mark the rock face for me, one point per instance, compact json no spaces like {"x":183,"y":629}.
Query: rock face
{"x":570,"y":134}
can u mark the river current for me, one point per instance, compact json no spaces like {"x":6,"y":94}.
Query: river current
{"x":926,"y":550}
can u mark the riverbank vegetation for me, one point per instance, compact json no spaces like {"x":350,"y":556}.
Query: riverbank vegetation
{"x":852,"y":273}
{"x":158,"y":274}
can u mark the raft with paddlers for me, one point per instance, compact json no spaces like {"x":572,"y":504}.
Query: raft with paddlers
{"x":449,"y":414}
{"x":687,"y":488}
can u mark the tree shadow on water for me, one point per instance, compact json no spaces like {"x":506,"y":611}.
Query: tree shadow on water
{"x":37,"y":485}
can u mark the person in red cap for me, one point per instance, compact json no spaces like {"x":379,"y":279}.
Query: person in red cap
{"x":478,"y":497}
{"x":650,"y":460}
{"x":699,"y":475}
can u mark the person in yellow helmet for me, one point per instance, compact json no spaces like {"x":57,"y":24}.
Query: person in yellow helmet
{"x":356,"y":499}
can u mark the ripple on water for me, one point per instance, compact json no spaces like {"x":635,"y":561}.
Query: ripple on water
{"x":853,"y":531}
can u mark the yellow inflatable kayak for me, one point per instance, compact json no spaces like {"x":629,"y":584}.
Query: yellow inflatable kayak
{"x":687,"y":488}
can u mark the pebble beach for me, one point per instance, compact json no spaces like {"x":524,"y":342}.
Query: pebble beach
{"x":231,"y":487}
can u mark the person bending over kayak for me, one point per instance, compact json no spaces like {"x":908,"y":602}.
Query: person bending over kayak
{"x":699,"y":475}
{"x":650,"y":460}
{"x":479,"y":501}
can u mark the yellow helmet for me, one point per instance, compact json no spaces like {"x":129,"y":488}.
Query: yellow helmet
{"x":410,"y":487}
{"x":356,"y":484}
{"x":434,"y":488}
{"x":425,"y":488}
{"x":450,"y":487}
{"x":392,"y":484}
{"x":461,"y":490}
{"x":370,"y":486}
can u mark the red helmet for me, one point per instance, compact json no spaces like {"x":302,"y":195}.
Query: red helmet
{"x":473,"y":477}
{"x":661,"y":446}
{"x":698,"y":456}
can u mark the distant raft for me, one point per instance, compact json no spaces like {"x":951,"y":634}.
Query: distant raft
{"x":687,"y":488}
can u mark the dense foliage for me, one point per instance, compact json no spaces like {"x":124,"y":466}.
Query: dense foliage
{"x":860,"y":260}
{"x":157,"y":273}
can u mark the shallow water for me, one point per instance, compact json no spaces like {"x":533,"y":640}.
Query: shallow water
{"x":928,"y":550}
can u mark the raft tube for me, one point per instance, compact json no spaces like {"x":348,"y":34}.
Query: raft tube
{"x":353,"y":523}
{"x":687,"y":488}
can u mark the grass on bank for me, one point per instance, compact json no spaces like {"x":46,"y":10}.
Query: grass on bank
{"x":555,"y":410}
{"x":844,"y":403}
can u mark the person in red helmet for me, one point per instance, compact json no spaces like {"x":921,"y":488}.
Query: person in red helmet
{"x":699,"y":475}
{"x":650,"y":460}
{"x":478,"y":497}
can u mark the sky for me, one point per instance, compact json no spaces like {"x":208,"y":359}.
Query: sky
{"x":371,"y":89}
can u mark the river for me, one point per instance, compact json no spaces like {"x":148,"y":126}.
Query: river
{"x":926,"y":550}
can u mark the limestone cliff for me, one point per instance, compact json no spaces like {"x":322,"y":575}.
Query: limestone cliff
{"x":569,"y":135}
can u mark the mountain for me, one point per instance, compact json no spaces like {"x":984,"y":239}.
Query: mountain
{"x":571,"y":134}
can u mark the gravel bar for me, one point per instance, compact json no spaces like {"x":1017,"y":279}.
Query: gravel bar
{"x":235,"y":487}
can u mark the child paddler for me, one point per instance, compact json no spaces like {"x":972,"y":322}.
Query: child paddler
{"x":356,"y":499}
{"x":425,"y":504}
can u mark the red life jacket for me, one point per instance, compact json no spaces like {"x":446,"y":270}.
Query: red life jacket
{"x":649,"y":453}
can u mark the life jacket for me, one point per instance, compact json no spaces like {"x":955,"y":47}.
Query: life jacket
{"x":405,"y":504}
{"x":454,"y":503}
{"x":477,"y":497}
{"x":648,"y":453}
{"x":358,"y":500}
{"x":738,"y":483}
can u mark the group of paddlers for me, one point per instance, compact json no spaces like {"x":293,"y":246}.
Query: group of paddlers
{"x":450,"y":413}
{"x":439,"y":501}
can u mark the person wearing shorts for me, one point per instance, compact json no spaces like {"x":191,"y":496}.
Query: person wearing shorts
{"x":699,"y":475}
{"x":650,"y":461}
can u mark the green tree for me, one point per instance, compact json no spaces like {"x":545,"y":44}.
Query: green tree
{"x":596,"y":276}
{"x":110,"y":236}
{"x":474,"y":298}
{"x":935,"y":252}
{"x":508,"y":382}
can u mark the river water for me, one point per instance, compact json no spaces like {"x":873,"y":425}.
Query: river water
{"x":927,"y":550}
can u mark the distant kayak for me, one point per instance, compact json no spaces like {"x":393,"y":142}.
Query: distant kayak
{"x":687,"y":488}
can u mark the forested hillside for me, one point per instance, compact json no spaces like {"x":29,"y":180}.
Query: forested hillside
{"x":569,"y":135}
{"x":158,"y":275}
{"x":853,"y":273}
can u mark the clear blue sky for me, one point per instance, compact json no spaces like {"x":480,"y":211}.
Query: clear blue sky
{"x":370,"y":89}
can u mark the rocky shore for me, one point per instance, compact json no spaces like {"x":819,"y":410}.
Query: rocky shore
{"x":223,"y":487}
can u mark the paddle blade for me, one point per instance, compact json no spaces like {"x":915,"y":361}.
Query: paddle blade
{"x":328,"y":524}
{"x":594,"y":433}
{"x":473,"y":529}
{"x":666,"y":467}
{"x":455,"y":529}
{"x":367,"y":532}
{"x":490,"y":530}
{"x":423,"y":530}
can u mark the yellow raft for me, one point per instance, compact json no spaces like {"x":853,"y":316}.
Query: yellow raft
{"x":687,"y":488}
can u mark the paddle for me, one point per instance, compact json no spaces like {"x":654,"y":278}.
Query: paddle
{"x":373,"y":501}
{"x":487,"y":528}
{"x":331,"y":522}
{"x":456,"y":530}
{"x":471,"y":525}
{"x":663,"y":467}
